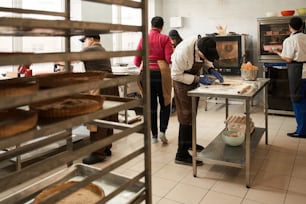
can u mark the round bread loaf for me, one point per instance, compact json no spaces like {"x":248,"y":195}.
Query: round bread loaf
{"x":68,"y":78}
{"x":89,"y":194}
{"x":18,"y":86}
{"x":14,"y":121}
{"x":68,"y":106}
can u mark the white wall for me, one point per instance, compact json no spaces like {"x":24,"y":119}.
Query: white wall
{"x":240,"y":16}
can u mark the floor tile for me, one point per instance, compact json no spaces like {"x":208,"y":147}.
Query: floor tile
{"x":297,"y":185}
{"x":205,"y":178}
{"x":246,"y":201}
{"x":299,"y":170}
{"x":174,"y":172}
{"x":168,"y":201}
{"x":295,"y":198}
{"x":213,"y":197}
{"x":266,"y":195}
{"x":185,"y":193}
{"x":161,"y":186}
{"x":230,"y":187}
{"x":273,"y":180}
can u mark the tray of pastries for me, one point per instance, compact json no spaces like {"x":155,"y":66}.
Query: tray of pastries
{"x":68,"y":106}
{"x":14,"y":121}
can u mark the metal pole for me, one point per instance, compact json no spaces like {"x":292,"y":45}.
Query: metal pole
{"x":146,"y":102}
{"x":67,"y":67}
{"x":194,"y":135}
{"x":247,"y":144}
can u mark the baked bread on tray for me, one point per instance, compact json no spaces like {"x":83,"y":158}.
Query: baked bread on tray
{"x":18,"y":86}
{"x":68,"y":78}
{"x":89,"y":194}
{"x":68,"y":106}
{"x":14,"y":121}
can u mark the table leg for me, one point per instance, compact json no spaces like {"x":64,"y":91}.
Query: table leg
{"x":125,"y":111}
{"x":266,"y":112}
{"x":247,"y":144}
{"x":226,"y":108}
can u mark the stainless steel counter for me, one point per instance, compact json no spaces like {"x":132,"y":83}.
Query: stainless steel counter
{"x":217,"y":152}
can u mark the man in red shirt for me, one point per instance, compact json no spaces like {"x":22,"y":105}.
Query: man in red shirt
{"x":160,"y":51}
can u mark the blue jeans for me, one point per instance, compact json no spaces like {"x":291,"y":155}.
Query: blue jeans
{"x":299,"y":109}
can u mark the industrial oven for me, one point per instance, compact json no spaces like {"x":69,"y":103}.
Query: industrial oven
{"x":232,"y":50}
{"x":272,"y":31}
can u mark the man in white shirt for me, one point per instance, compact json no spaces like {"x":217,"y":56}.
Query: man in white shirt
{"x":188,"y":60}
{"x":294,"y":52}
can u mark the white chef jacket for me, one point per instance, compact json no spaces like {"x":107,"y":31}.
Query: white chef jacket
{"x":294,"y":47}
{"x":183,"y":59}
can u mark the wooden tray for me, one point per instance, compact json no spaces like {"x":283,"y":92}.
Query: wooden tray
{"x":68,"y":106}
{"x":64,"y":79}
{"x":16,"y":121}
{"x":89,"y":194}
{"x":18,"y":86}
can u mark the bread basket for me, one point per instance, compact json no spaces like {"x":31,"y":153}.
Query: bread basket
{"x":249,"y":71}
{"x":249,"y":75}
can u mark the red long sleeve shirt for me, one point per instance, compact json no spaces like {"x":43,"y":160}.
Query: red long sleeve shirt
{"x":160,"y":48}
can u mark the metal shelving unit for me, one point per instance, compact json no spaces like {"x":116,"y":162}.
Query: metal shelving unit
{"x":22,"y":180}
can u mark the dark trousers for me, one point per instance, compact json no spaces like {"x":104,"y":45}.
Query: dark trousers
{"x":157,"y":97}
{"x":105,"y":132}
{"x":100,"y":134}
{"x":184,"y":141}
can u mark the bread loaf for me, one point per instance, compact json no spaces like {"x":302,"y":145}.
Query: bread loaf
{"x":238,"y":123}
{"x":89,"y":194}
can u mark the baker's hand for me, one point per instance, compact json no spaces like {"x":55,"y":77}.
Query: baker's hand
{"x":205,"y":80}
{"x":216,"y":74}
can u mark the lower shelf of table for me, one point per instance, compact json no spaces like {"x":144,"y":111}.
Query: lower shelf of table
{"x":217,"y":152}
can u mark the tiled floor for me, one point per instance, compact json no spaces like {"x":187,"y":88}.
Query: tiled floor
{"x":278,"y":171}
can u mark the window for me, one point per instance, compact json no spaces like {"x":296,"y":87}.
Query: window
{"x":120,"y":41}
{"x":31,"y":44}
{"x":126,"y":40}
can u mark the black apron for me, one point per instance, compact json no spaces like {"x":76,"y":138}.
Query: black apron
{"x":295,"y":70}
{"x":183,"y":102}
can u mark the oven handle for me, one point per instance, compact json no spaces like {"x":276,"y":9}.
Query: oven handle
{"x":276,"y":65}
{"x":280,"y":67}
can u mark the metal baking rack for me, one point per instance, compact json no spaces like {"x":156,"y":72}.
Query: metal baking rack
{"x":20,"y":178}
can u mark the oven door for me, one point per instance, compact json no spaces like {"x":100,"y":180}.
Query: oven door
{"x":278,"y":90}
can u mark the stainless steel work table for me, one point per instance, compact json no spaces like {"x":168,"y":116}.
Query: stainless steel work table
{"x":217,"y":152}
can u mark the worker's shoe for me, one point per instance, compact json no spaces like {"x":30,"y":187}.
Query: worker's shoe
{"x":108,"y":152}
{"x":294,"y":134}
{"x":163,"y":138}
{"x":93,"y":159}
{"x":187,"y":161}
{"x":199,"y":148}
{"x":154,"y":140}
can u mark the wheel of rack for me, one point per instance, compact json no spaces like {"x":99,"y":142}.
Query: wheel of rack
{"x":21,"y":179}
